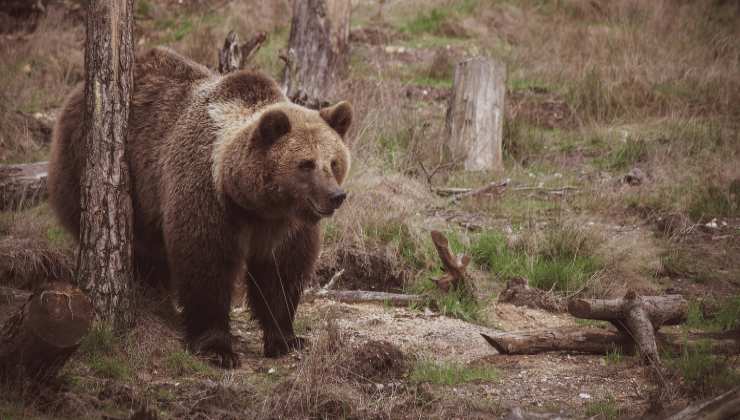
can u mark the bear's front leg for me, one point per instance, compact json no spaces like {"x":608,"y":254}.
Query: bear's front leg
{"x":275,"y":285}
{"x":204,"y":272}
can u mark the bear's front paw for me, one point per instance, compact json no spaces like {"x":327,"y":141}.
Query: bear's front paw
{"x":216,"y":346}
{"x":279,"y":346}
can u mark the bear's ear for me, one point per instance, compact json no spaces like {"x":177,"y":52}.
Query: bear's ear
{"x":271,"y":126}
{"x":339,"y":117}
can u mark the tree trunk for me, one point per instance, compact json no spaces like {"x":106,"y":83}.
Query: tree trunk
{"x":38,"y":339}
{"x":317,"y":49}
{"x":475,"y":114}
{"x":22,"y":186}
{"x":580,"y":340}
{"x":104,"y":265}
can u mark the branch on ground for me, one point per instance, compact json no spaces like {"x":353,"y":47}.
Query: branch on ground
{"x":519,"y":293}
{"x":455,"y":276}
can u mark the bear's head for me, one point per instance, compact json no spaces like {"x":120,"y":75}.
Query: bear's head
{"x":290,"y":161}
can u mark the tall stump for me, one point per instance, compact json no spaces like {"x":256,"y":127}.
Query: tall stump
{"x":475,"y":115}
{"x":317,"y":49}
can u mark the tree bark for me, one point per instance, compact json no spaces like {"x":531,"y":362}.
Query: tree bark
{"x":638,"y":317}
{"x":580,"y":340}
{"x":318,"y":49}
{"x":724,"y":406}
{"x":23,"y":185}
{"x":475,"y":114}
{"x":36,"y":341}
{"x":104,"y":266}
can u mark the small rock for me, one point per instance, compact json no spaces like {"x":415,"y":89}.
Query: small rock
{"x":634,"y":177}
{"x":712,"y":224}
{"x":584,"y":396}
{"x":271,"y":370}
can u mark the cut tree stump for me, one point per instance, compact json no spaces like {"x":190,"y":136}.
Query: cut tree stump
{"x":235,"y":56}
{"x":475,"y":114}
{"x":23,"y":185}
{"x":579,"y":340}
{"x":318,"y":50}
{"x":724,"y":406}
{"x":519,"y":293}
{"x":638,"y":317}
{"x":454,"y":266}
{"x":37,"y":340}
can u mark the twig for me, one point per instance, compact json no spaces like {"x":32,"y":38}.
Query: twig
{"x":482,"y":190}
{"x":333,"y":280}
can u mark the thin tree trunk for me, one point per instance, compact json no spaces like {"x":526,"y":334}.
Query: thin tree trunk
{"x":475,"y":115}
{"x":317,"y":49}
{"x":104,"y":265}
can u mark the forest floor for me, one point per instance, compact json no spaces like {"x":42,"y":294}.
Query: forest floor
{"x":630,"y":105}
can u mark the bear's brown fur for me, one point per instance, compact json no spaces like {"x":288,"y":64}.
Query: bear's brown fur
{"x":224,"y":171}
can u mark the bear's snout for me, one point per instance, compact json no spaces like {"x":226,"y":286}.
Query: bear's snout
{"x":336,"y":198}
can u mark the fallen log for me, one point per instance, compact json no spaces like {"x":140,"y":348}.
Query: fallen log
{"x":724,"y":406}
{"x":22,"y":185}
{"x":579,"y":340}
{"x":638,"y":317}
{"x":38,"y":339}
{"x":365,"y":296}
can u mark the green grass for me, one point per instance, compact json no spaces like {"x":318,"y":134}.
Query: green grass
{"x":454,"y":304}
{"x":603,"y":409}
{"x":99,"y":350}
{"x":110,"y":367}
{"x":182,"y":363}
{"x":627,"y":154}
{"x":725,"y":318}
{"x":613,"y":357}
{"x":710,"y":201}
{"x":703,"y":372}
{"x":561,"y":262}
{"x":100,"y":340}
{"x":451,"y":373}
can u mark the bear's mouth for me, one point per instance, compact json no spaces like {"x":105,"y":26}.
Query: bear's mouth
{"x":319,"y":211}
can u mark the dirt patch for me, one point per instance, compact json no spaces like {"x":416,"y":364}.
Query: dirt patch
{"x":363,"y":271}
{"x":378,"y":361}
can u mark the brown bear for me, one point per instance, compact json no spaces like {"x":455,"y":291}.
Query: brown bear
{"x":225,"y":171}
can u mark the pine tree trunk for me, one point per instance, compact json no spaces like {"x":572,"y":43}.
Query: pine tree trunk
{"x":475,"y":115}
{"x":317,"y":49}
{"x":104,"y":265}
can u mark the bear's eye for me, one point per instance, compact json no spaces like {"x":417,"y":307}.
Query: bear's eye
{"x":307,"y":165}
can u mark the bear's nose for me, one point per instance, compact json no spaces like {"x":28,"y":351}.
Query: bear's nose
{"x":337,"y":198}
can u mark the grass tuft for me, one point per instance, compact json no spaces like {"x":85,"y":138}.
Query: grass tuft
{"x":561,"y":261}
{"x":703,"y":372}
{"x":182,"y":363}
{"x":603,"y":409}
{"x":451,"y":373}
